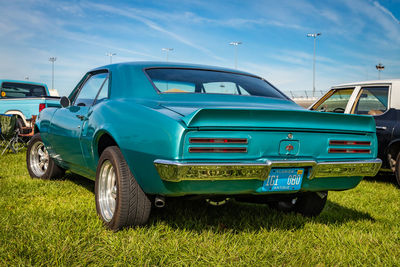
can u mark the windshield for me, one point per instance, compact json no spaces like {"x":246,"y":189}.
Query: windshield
{"x":21,"y":90}
{"x":173,"y":80}
{"x":335,"y":102}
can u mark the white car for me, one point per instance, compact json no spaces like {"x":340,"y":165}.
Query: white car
{"x":380,"y":99}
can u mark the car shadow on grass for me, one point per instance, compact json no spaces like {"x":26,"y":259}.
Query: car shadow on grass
{"x":80,"y":180}
{"x":238,"y":217}
{"x":382,"y":177}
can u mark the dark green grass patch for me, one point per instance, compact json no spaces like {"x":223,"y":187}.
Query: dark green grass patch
{"x":55,"y":223}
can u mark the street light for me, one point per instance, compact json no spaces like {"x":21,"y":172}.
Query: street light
{"x":314,"y":35}
{"x":167,"y":50}
{"x":380,"y":68}
{"x":109,"y":54}
{"x":236,"y":45}
{"x":52,"y":60}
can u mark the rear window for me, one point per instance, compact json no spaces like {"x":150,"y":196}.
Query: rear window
{"x":21,"y":90}
{"x":174,"y":80}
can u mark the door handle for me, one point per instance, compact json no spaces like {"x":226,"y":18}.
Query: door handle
{"x":81,"y":117}
{"x":381,"y":127}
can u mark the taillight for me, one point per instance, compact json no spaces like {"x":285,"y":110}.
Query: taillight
{"x":218,"y":140}
{"x":218,"y":149}
{"x":349,"y":143}
{"x":218,"y":145}
{"x":346,"y":146}
{"x":349,"y":150}
{"x":42,"y":106}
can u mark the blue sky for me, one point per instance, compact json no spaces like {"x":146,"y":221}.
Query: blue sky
{"x":356,"y":35}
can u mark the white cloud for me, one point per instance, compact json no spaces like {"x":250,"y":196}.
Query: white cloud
{"x":386,"y":11}
{"x":130,"y":13}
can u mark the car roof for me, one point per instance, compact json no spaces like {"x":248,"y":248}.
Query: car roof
{"x":368,"y":82}
{"x":164,"y":64}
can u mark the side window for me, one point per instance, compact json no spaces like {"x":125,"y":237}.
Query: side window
{"x":103,"y":94}
{"x":90,"y":90}
{"x":336,"y":102}
{"x":372,"y":100}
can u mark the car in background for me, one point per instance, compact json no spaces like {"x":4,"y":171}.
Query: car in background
{"x":146,"y":131}
{"x":25,"y":99}
{"x":380,"y":99}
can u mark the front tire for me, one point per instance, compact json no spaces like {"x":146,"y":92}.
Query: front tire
{"x":120,"y":202}
{"x":38,"y":161}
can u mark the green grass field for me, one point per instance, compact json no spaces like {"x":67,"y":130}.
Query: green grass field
{"x":55,"y":223}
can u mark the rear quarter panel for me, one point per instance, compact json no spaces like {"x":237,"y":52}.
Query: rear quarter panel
{"x":142,"y":133}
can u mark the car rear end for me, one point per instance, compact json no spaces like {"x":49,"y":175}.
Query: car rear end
{"x":256,"y":151}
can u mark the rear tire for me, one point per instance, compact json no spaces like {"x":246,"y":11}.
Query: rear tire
{"x":309,"y":204}
{"x":397,"y":170}
{"x":283,"y":205}
{"x":120,"y":202}
{"x":39,"y":163}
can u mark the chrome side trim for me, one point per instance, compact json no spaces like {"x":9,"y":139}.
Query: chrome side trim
{"x":174,"y":171}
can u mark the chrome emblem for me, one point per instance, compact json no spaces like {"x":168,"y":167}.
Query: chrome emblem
{"x":290,"y":136}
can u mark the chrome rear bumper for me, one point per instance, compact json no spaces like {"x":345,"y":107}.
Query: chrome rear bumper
{"x":174,"y":171}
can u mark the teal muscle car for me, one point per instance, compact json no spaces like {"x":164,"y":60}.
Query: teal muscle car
{"x":149,"y":131}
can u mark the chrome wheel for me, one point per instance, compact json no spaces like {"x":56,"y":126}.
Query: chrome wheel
{"x":39,"y":159}
{"x":107,"y":189}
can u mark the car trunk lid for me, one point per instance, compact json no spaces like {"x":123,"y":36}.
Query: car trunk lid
{"x":295,"y":120}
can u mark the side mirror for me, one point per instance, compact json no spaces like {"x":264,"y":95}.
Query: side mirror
{"x":65,"y":102}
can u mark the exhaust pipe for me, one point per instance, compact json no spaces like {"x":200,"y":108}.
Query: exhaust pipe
{"x":159,"y":201}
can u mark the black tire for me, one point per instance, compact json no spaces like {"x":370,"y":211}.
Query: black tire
{"x":397,"y":170}
{"x":308,"y":204}
{"x":131,"y":206}
{"x":283,"y":205}
{"x":34,"y":161}
{"x":311,"y":204}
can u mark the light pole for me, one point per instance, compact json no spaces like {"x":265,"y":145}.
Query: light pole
{"x":235,"y":44}
{"x":52,"y":60}
{"x":167,"y":50}
{"x":380,"y":68}
{"x":314,"y":35}
{"x":109,"y":54}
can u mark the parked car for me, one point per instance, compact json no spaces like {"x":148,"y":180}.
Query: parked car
{"x":24,"y":99}
{"x":380,"y":99}
{"x":146,"y":131}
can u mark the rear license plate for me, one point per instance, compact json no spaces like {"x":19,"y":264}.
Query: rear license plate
{"x":288,"y":179}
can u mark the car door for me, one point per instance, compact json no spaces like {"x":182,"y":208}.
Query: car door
{"x":373,"y":100}
{"x":67,"y":123}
